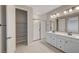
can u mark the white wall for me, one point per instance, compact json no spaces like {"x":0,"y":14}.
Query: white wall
{"x":43,"y":29}
{"x":11,"y":29}
{"x":43,"y":26}
{"x":42,"y":19}
{"x":36,"y":27}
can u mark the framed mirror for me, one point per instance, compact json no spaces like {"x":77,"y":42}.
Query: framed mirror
{"x":72,"y":25}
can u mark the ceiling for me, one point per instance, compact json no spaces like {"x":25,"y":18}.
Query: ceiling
{"x":41,"y":9}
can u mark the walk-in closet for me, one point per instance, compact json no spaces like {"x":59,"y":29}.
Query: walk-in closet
{"x":21,"y":27}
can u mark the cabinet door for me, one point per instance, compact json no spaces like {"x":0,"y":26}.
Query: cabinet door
{"x":53,"y":41}
{"x":71,"y":47}
{"x":49,"y":37}
{"x":60,"y":42}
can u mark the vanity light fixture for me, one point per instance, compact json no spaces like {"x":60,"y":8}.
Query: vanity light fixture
{"x":70,"y":10}
{"x":77,"y":8}
{"x":57,"y":14}
{"x":54,"y":15}
{"x":51,"y":16}
{"x":65,"y":12}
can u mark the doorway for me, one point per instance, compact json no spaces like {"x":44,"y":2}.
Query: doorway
{"x":36,"y":30}
{"x":21,"y":27}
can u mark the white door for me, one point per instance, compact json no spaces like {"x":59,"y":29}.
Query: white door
{"x":36,"y":27}
{"x":0,"y":30}
{"x":43,"y":29}
{"x":11,"y":33}
{"x":0,"y":41}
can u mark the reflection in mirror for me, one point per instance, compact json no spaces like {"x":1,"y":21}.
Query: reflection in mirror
{"x":72,"y":25}
{"x":53,"y":25}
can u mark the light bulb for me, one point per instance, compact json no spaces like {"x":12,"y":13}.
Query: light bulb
{"x":70,"y":10}
{"x":57,"y":14}
{"x":77,"y":8}
{"x":51,"y":16}
{"x":65,"y":12}
{"x":54,"y":15}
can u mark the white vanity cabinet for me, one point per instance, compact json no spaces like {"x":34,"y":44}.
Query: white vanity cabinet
{"x":67,"y":44}
{"x":51,"y":39}
{"x":60,"y":42}
{"x":71,"y":46}
{"x":63,"y":42}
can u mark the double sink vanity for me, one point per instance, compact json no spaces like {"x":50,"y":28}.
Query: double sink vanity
{"x":62,"y":31}
{"x":63,"y":41}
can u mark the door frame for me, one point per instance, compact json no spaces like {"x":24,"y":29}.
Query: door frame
{"x":10,"y":17}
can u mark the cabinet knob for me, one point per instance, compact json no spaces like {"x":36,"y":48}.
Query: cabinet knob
{"x":60,"y":46}
{"x":60,"y":40}
{"x":66,"y":41}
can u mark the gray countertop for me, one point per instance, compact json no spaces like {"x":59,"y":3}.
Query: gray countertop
{"x":75,"y":36}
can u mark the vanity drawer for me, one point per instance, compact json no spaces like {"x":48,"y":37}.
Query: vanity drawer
{"x":54,"y":44}
{"x":61,"y":47}
{"x":60,"y":42}
{"x":49,"y":38}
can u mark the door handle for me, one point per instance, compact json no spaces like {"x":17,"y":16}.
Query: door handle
{"x":9,"y":37}
{"x":66,"y":41}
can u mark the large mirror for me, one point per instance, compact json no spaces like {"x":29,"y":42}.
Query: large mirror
{"x":53,"y":25}
{"x":61,"y":25}
{"x":72,"y":25}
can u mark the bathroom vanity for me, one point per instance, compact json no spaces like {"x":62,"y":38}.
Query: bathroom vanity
{"x":63,"y":41}
{"x":63,"y":33}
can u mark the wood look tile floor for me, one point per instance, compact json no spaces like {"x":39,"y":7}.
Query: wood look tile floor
{"x":37,"y":47}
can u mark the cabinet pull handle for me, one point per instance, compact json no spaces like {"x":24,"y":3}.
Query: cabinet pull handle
{"x":60,"y":46}
{"x":60,"y":40}
{"x":66,"y":41}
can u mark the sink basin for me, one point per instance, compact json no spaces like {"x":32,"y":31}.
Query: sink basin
{"x":70,"y":34}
